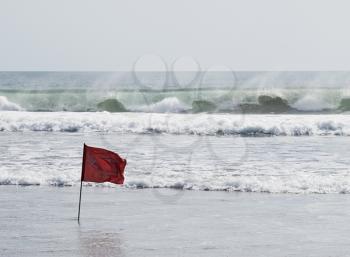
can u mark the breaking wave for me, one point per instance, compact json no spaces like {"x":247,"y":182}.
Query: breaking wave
{"x":312,"y":103}
{"x":185,"y":101}
{"x":298,"y":184}
{"x":178,"y":124}
{"x":6,"y":105}
{"x":291,"y":184}
{"x":167,"y":105}
{"x":159,"y":92}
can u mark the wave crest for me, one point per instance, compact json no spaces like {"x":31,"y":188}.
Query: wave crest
{"x":167,"y":105}
{"x":6,"y":105}
{"x":185,"y":124}
{"x":312,"y":103}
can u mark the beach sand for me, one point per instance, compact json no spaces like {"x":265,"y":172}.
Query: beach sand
{"x":42,"y":221}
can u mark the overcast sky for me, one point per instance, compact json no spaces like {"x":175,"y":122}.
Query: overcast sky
{"x":114,"y":34}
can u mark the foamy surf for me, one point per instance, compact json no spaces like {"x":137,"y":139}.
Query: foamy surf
{"x":209,"y":152}
{"x":208,"y":137}
{"x":293,"y":184}
{"x":177,"y":124}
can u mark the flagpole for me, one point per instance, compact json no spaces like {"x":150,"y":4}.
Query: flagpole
{"x":81,"y":185}
{"x":81,"y":182}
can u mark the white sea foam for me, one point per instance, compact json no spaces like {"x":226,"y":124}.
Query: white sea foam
{"x":197,"y":124}
{"x":266,"y":184}
{"x":167,"y":105}
{"x":277,"y":164}
{"x":6,"y":105}
{"x":312,"y":103}
{"x":293,"y":183}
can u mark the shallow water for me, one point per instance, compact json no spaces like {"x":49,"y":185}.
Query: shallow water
{"x":41,"y":221}
{"x":277,"y":164}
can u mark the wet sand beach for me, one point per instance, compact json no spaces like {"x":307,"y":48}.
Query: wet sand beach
{"x":41,"y":221}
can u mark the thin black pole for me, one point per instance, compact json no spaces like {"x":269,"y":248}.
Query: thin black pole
{"x":81,"y":182}
{"x":81,"y":186}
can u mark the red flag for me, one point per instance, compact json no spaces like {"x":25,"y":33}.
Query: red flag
{"x":101,"y":165}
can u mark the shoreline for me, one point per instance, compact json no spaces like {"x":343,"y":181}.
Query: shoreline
{"x":178,"y":190}
{"x":41,"y":221}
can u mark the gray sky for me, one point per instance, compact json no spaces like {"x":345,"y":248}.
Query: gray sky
{"x":113,"y":34}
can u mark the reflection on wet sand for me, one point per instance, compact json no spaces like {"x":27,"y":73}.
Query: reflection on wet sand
{"x":98,"y":243}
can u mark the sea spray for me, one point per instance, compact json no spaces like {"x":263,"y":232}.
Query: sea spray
{"x":209,"y":100}
{"x":167,"y":105}
{"x":6,"y":105}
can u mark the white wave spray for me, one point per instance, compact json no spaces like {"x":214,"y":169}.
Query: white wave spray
{"x":167,"y":105}
{"x":312,"y":103}
{"x":6,"y":105}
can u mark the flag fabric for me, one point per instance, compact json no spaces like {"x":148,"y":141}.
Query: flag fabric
{"x":101,"y":165}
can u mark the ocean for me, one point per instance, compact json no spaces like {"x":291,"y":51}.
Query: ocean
{"x":214,"y":133}
{"x":219,"y":163}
